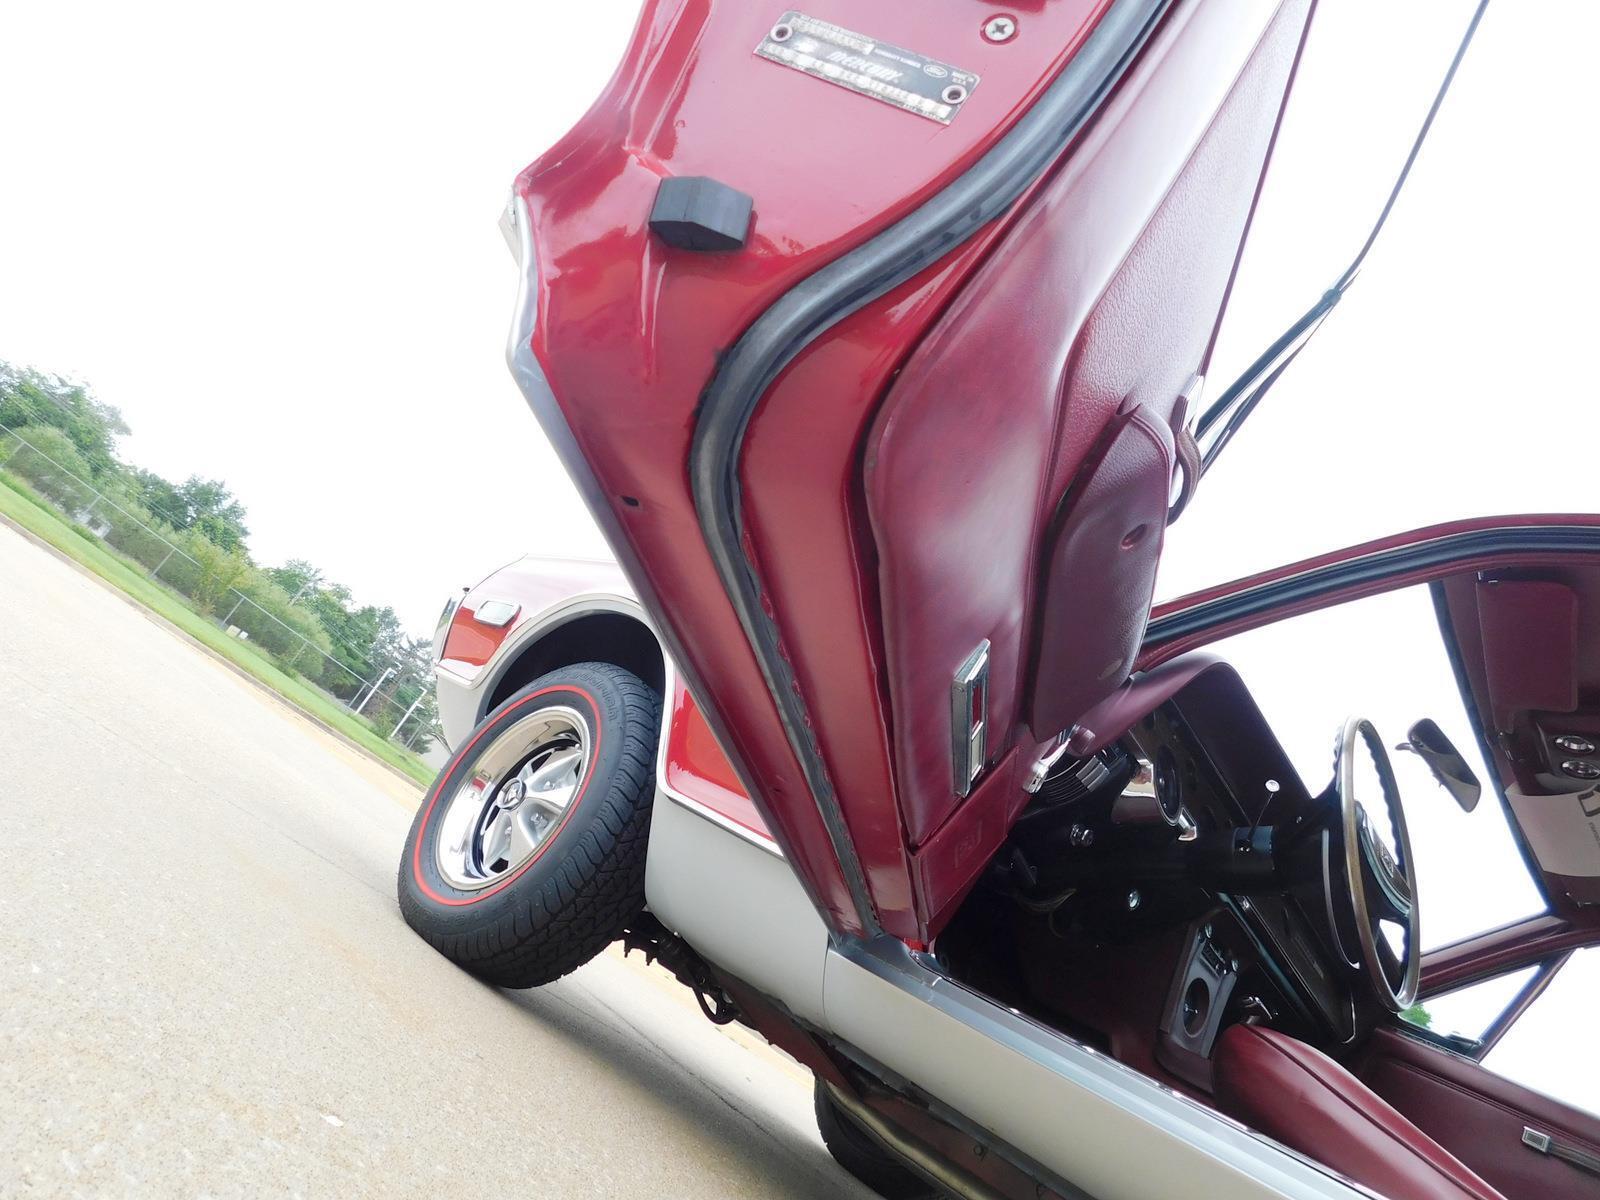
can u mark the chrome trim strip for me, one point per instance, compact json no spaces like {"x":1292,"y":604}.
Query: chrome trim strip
{"x":727,"y":824}
{"x":441,"y":627}
{"x":1307,"y":584}
{"x":546,"y":622}
{"x":1015,"y":1047}
{"x":743,"y":374}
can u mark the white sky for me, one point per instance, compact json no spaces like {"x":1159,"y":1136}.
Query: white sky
{"x":1454,"y":378}
{"x":268,"y":236}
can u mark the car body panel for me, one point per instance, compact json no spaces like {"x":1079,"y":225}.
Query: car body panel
{"x":536,"y":586}
{"x":548,"y":593}
{"x":745,"y":910}
{"x":654,"y":329}
{"x":695,"y":767}
{"x":551,"y":594}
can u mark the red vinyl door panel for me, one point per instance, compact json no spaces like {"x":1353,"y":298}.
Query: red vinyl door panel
{"x":1100,"y":301}
{"x":1479,"y":1117}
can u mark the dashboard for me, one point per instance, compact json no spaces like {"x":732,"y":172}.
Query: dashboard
{"x":1263,"y":953}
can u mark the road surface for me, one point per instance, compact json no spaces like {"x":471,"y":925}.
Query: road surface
{"x":206,"y":988}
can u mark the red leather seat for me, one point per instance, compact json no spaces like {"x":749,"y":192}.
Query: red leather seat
{"x":1302,"y":1098}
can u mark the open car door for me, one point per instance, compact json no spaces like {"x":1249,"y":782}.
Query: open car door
{"x":873,"y":338}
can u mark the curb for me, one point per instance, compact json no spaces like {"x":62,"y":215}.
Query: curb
{"x":161,"y":622}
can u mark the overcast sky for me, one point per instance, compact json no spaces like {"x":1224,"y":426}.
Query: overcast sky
{"x":268,"y":236}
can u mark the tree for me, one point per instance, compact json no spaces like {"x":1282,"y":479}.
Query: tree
{"x":412,"y":682}
{"x":1418,"y":1015}
{"x":29,"y":397}
{"x":297,"y":577}
{"x":206,"y":506}
{"x":221,"y":570}
{"x":297,"y":614}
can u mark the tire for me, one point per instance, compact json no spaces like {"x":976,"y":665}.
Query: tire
{"x":570,"y":877}
{"x":854,"y":1150}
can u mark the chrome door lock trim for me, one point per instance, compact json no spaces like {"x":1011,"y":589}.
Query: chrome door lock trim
{"x":1545,"y":1143}
{"x":969,"y":726}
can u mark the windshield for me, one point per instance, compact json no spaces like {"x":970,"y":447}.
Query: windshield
{"x":1452,"y":381}
{"x":1384,"y":658}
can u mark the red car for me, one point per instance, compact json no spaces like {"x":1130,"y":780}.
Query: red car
{"x":881,"y":365}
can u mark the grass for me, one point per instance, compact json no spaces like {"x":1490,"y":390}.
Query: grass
{"x":18,"y":502}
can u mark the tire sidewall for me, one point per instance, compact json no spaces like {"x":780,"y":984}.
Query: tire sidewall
{"x":595,"y":698}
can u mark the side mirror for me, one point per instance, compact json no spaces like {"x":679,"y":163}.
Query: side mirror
{"x":1429,"y":743}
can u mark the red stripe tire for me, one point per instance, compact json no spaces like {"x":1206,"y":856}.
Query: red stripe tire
{"x":527,"y":855}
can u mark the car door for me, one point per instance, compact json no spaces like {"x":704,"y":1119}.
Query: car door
{"x":879,"y":392}
{"x":1504,"y":1072}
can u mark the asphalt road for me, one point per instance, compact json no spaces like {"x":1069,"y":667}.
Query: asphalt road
{"x":206,"y":988}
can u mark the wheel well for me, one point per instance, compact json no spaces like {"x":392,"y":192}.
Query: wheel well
{"x":607,"y":637}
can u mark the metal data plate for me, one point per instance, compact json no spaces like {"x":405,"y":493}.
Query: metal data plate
{"x":899,"y":77}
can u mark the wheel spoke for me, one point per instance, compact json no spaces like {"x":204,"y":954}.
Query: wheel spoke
{"x":1388,"y":888}
{"x":523,"y":840}
{"x":495,"y":843}
{"x":1394,"y":970}
{"x":1383,"y":903}
{"x":554,"y":782}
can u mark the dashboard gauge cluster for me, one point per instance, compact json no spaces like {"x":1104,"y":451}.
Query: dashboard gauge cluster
{"x":1168,"y":785}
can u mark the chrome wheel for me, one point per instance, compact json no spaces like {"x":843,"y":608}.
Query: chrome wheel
{"x":516,"y":797}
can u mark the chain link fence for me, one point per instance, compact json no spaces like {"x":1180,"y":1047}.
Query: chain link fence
{"x":390,"y":694}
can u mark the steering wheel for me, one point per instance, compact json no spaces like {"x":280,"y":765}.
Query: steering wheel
{"x":1370,"y":877}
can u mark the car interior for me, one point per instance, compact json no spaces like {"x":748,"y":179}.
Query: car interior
{"x":1245,"y":925}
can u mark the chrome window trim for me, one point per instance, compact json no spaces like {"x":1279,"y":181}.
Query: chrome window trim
{"x":441,"y":627}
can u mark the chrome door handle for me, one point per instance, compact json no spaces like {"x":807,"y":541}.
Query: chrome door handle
{"x":1545,"y":1144}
